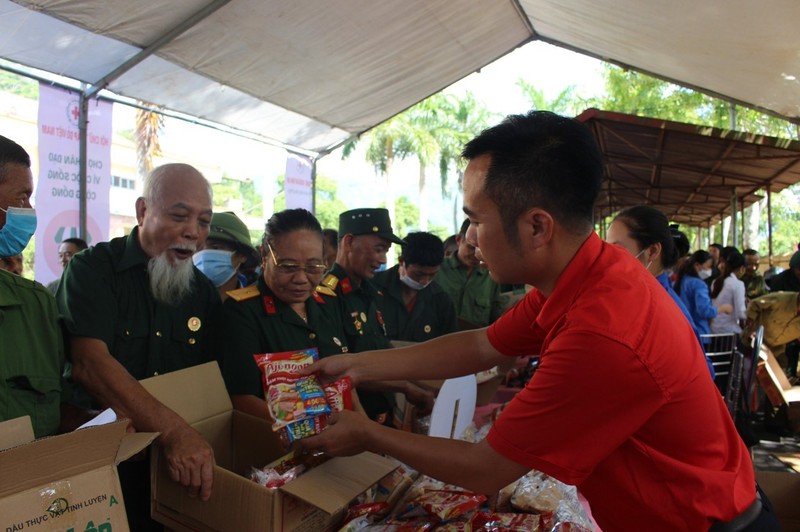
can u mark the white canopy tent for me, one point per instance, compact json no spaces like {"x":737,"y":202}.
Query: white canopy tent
{"x":308,"y":74}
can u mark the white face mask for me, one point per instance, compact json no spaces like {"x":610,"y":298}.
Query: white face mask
{"x":412,"y":284}
{"x":637,"y":258}
{"x":704,"y":274}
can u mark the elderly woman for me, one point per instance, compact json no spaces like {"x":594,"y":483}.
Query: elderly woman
{"x":279,"y":312}
{"x":644,"y":232}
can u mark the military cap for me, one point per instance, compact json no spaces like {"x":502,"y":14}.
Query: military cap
{"x":227,"y":226}
{"x":368,"y":222}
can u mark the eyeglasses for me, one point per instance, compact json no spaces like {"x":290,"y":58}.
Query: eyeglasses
{"x":291,"y":268}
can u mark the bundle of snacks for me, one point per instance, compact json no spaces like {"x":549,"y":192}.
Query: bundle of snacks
{"x":285,"y":469}
{"x":298,"y":404}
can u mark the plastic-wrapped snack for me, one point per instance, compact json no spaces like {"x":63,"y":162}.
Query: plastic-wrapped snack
{"x":296,"y":403}
{"x":449,"y":504}
{"x":503,"y":502}
{"x":538,"y":493}
{"x":274,"y":478}
{"x":339,"y":394}
{"x":504,"y":522}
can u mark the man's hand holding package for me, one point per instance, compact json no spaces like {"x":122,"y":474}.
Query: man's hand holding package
{"x":347,"y":434}
{"x":190,"y":460}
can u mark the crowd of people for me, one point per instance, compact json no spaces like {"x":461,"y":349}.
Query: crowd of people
{"x":621,"y":405}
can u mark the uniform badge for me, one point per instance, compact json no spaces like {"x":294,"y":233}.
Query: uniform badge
{"x":346,"y":286}
{"x":427,"y":329}
{"x":363,"y":317}
{"x":269,"y":305}
{"x":194,"y":324}
{"x":337,"y":341}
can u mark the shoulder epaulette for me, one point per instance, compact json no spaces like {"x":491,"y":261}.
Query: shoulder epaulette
{"x":330,"y":281}
{"x":241,"y":294}
{"x":320,"y":289}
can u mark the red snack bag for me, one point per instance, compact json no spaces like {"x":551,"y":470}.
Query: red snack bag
{"x":506,"y":522}
{"x":446,"y":504}
{"x":292,"y":398}
{"x":339,"y":394}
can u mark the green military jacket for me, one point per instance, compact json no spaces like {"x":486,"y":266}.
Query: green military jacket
{"x":257,"y":322}
{"x":432,"y":315}
{"x":363,"y":326}
{"x":754,"y":286}
{"x":777,"y":312}
{"x":105,"y":294}
{"x":31,"y":354}
{"x":476,"y":296}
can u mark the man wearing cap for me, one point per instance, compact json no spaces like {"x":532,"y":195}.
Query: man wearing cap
{"x":136,"y":307}
{"x":365,"y":236}
{"x":226,"y":249}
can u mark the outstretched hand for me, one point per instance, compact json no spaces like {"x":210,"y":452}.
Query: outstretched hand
{"x":347,"y":434}
{"x":190,"y":460}
{"x":333,"y":368}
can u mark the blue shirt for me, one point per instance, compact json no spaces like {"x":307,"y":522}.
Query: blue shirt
{"x":663,"y":280}
{"x":694,"y":294}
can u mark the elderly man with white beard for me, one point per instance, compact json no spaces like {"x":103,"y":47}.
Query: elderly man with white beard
{"x":136,"y":307}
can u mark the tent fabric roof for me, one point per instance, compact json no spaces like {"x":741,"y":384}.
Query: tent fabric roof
{"x":310,"y":74}
{"x":688,"y":172}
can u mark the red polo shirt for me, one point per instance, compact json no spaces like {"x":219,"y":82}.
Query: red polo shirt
{"x":622,"y":405}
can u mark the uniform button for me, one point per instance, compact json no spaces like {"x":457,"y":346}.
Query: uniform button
{"x":191,"y":341}
{"x":158,"y":333}
{"x":155,"y":374}
{"x":127,"y":333}
{"x":312,"y":336}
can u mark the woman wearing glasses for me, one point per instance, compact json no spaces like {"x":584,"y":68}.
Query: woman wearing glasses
{"x":281,"y":312}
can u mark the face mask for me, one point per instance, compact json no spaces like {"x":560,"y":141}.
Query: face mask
{"x":19,"y":228}
{"x":215,"y":264}
{"x":704,"y":274}
{"x":412,"y":284}
{"x":637,"y":258}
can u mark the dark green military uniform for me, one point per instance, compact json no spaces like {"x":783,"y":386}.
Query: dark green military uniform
{"x":476,"y":296}
{"x":258,"y":322}
{"x":363,"y":326}
{"x":432,"y":315}
{"x":754,"y":285}
{"x":105,"y":294}
{"x":31,"y":354}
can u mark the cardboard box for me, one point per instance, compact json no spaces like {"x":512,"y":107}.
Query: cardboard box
{"x":313,"y":502}
{"x":67,"y":482}
{"x":782,"y":490}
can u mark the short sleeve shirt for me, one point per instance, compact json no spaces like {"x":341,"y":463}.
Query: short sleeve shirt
{"x":475,"y":295}
{"x":105,"y":294}
{"x":31,"y":354}
{"x":262,"y":323}
{"x":433,"y":313}
{"x":621,"y":404}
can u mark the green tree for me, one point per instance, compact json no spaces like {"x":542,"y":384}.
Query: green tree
{"x":19,"y":85}
{"x":238,"y":196}
{"x":565,"y":103}
{"x":149,"y":125}
{"x":327,"y":205}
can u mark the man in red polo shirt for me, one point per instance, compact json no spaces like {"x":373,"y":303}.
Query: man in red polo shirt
{"x":621,"y":405}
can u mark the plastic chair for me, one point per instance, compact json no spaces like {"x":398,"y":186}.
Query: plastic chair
{"x":454,"y":407}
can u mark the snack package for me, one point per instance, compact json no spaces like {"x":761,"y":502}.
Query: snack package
{"x":297,"y":404}
{"x":505,"y":522}
{"x":449,"y":504}
{"x":339,"y":394}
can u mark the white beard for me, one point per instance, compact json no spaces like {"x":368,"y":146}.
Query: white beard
{"x":170,"y":283}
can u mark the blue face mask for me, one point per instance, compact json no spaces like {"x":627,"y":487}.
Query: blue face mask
{"x":19,"y":228}
{"x":215,"y":264}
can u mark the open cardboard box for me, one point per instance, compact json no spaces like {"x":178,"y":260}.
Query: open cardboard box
{"x":66,"y":482}
{"x":315,"y":501}
{"x":782,"y":490}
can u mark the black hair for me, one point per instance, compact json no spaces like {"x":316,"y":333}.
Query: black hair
{"x":733,"y":261}
{"x":680,"y":240}
{"x":749,"y":252}
{"x":77,"y":242}
{"x":462,"y":232}
{"x":541,"y":160}
{"x":715,"y":245}
{"x":12,"y":153}
{"x":287,"y":221}
{"x":700,"y":256}
{"x":422,"y":249}
{"x":648,"y":226}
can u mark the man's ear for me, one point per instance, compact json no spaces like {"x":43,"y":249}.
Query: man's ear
{"x":141,"y":207}
{"x":537,"y":226}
